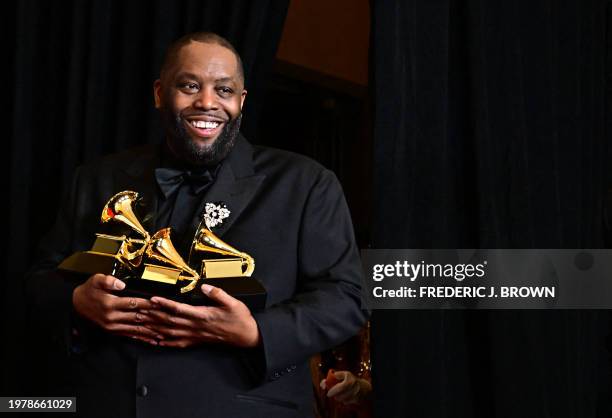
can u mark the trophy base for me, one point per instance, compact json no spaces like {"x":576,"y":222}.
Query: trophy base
{"x":90,"y":262}
{"x":79,"y":266}
{"x":246,"y":289}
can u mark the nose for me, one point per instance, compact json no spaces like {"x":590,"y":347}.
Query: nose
{"x":206,"y":99}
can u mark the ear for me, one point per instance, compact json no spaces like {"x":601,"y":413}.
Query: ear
{"x":242,"y":97}
{"x":157,"y":93}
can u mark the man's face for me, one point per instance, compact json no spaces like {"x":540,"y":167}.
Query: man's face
{"x":200,"y":98}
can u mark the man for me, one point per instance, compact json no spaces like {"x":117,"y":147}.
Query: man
{"x":158,"y":358}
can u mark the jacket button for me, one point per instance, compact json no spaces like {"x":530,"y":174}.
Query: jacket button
{"x":142,"y":391}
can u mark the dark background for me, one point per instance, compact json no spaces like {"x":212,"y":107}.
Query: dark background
{"x":482,"y":124}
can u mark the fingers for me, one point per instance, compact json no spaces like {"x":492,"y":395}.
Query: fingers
{"x":133,"y":330}
{"x":133,"y":325}
{"x":143,"y":339}
{"x":347,"y":390}
{"x":335,"y":390}
{"x":350,"y":395}
{"x":346,"y":384}
{"x":129,"y":323}
{"x":173,"y":333}
{"x":179,"y":309}
{"x":219,"y":295}
{"x":155,"y":317}
{"x":147,"y":340}
{"x":136,"y":318}
{"x":108,"y":283}
{"x":184,"y":328}
{"x":342,"y":375}
{"x":131,"y":304}
{"x":180,"y":343}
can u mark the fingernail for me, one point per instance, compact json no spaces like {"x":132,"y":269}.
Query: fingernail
{"x":206,"y":288}
{"x":144,"y":311}
{"x":159,"y":337}
{"x":119,"y":285}
{"x":154,"y":301}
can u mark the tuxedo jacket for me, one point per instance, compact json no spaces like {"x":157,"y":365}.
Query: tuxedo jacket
{"x":289,"y":213}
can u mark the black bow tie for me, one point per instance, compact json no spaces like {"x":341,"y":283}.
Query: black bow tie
{"x":170,"y":180}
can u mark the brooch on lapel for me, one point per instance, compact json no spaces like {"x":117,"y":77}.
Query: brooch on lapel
{"x":214,"y":214}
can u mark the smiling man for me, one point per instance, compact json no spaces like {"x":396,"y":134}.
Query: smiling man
{"x":155,"y":357}
{"x":200,"y":94}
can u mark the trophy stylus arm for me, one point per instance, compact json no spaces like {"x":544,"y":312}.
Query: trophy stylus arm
{"x":131,"y":255}
{"x":138,"y":241}
{"x":190,"y":286}
{"x":250,"y":264}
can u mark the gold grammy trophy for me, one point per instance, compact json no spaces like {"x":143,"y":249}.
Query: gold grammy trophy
{"x":239,"y":263}
{"x":151,"y":265}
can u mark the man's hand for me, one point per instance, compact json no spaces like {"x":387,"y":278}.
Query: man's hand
{"x":95,"y":301}
{"x":184,"y":325}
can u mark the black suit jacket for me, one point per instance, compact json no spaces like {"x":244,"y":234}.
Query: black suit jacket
{"x":289,"y":213}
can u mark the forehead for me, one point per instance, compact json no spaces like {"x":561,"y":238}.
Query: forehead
{"x":206,"y":60}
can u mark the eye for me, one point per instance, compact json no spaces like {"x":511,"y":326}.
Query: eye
{"x":225,"y":91}
{"x":188,"y":86}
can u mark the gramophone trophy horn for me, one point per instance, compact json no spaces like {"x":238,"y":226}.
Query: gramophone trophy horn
{"x":160,"y":248}
{"x":207,"y":241}
{"x":119,"y":208}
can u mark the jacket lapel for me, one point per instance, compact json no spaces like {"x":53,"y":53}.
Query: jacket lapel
{"x":235,"y":186}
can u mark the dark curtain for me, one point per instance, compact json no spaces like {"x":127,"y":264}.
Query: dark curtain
{"x":81,"y":86}
{"x":490,"y":132}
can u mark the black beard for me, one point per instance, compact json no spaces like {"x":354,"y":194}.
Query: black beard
{"x":185,"y":149}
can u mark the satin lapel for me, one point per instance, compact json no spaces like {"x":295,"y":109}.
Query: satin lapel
{"x":236,"y":185}
{"x":139,"y":176}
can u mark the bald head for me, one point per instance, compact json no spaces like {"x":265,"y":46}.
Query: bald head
{"x":172,"y":53}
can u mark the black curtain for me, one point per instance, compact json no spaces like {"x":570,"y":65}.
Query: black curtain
{"x":81,"y":86}
{"x":490,"y":132}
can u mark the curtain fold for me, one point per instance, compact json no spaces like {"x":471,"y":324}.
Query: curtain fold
{"x":490,"y":133}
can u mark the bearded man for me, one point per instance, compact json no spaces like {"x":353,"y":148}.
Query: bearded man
{"x":155,"y":357}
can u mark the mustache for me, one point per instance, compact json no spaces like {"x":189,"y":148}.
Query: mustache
{"x":217,"y":115}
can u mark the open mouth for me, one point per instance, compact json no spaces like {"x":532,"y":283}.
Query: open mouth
{"x":205,"y":128}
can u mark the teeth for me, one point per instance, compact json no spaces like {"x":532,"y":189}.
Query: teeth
{"x":204,"y":124}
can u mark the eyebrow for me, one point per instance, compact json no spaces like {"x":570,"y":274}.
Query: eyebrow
{"x":225,"y":79}
{"x":185,"y":74}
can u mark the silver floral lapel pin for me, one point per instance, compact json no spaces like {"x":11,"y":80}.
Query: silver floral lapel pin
{"x":214,"y":214}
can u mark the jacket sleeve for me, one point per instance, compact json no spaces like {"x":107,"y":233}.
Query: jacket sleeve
{"x":326,"y":308}
{"x":49,"y":296}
